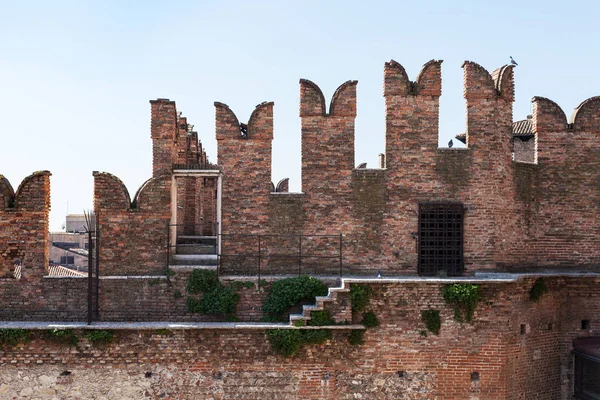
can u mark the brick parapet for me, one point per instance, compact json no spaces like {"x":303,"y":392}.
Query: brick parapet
{"x":24,"y":235}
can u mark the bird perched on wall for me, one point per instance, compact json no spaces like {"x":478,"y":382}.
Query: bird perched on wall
{"x":513,"y":62}
{"x":450,"y":144}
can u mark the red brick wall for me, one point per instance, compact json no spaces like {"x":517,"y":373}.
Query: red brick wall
{"x":516,"y":215}
{"x":396,"y":359}
{"x":24,"y":232}
{"x":165,"y":136}
{"x":133,"y":238}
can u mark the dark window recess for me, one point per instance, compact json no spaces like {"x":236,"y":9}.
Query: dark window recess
{"x":440,"y":244}
{"x":587,"y":371}
{"x":67,"y":260}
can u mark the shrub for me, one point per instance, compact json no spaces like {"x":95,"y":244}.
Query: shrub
{"x":432,"y":320}
{"x":100,"y":336}
{"x":288,"y":342}
{"x":538,"y":289}
{"x":202,"y":280}
{"x":370,"y":320}
{"x":286,"y":293}
{"x":215,"y":298}
{"x":463,"y":298}
{"x":13,"y":337}
{"x":360,"y":296}
{"x":356,"y":337}
{"x":321,"y":318}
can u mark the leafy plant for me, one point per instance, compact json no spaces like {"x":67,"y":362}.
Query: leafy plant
{"x":432,"y":320}
{"x":538,"y":289}
{"x":177,"y":294}
{"x":216,"y":299}
{"x":356,"y":337}
{"x":370,"y":320}
{"x":288,"y":342}
{"x":164,"y":332}
{"x":321,"y":318}
{"x":202,"y":280}
{"x":100,"y":336}
{"x":463,"y":298}
{"x":360,"y":296}
{"x":66,"y":336}
{"x":13,"y":337}
{"x":286,"y":293}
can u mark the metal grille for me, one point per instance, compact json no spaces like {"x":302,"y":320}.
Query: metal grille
{"x":441,"y":238}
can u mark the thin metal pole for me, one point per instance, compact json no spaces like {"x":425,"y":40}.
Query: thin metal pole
{"x":218,"y":255}
{"x":90,"y":273}
{"x":299,"y":255}
{"x":340,"y":255}
{"x":259,"y":262}
{"x":97,"y":288}
{"x":168,"y":249}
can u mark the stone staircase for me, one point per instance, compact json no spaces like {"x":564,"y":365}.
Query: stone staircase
{"x":337,"y":302}
{"x":195,"y":251}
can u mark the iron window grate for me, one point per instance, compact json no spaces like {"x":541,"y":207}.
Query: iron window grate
{"x":440,"y":248}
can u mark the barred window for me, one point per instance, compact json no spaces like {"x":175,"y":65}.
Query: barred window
{"x":440,"y":245}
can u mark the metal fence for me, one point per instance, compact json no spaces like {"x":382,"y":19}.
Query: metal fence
{"x":259,"y":255}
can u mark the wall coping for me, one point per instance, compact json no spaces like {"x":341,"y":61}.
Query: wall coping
{"x":45,"y":325}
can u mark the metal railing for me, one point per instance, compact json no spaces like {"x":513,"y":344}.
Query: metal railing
{"x":272,"y":254}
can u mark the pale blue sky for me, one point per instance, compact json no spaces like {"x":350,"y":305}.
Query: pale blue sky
{"x":76,"y":77}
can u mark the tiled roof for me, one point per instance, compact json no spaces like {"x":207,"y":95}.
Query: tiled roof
{"x":524,"y":127}
{"x":521,"y":128}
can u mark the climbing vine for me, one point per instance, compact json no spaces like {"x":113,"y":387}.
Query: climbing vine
{"x":432,"y":320}
{"x":463,"y":298}
{"x":215,"y":299}
{"x":538,"y":289}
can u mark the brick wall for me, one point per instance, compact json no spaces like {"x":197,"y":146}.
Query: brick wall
{"x":133,"y":237}
{"x":493,"y":358}
{"x":24,"y":232}
{"x":517,"y":215}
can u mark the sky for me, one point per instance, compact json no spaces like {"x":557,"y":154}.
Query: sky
{"x":76,"y":76}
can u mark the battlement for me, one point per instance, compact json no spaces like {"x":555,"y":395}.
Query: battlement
{"x":24,"y":225}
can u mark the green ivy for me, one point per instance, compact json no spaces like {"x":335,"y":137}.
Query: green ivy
{"x":177,"y":294}
{"x":463,"y":298}
{"x":370,"y":320}
{"x":288,"y":342}
{"x":66,"y":336}
{"x":356,"y":337}
{"x":100,"y":336}
{"x":286,"y":293}
{"x":13,"y":337}
{"x":202,"y":281}
{"x":538,"y":289}
{"x":164,"y":332}
{"x":432,"y":320}
{"x":360,"y":296}
{"x":321,"y":318}
{"x":215,"y":298}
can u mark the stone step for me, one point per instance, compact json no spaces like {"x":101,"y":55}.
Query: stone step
{"x":196,"y":249}
{"x":186,"y":239}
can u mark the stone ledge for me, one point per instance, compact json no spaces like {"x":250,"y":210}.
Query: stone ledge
{"x":44,"y":325}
